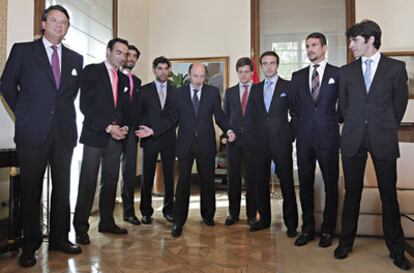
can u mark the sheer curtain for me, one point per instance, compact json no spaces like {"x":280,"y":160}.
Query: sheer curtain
{"x":284,"y":26}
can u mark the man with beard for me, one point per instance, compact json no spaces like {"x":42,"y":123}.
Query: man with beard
{"x":102,"y":134}
{"x":314,"y":90}
{"x":155,"y":108}
{"x":129,"y":144}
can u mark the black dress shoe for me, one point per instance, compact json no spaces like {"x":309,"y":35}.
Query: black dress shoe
{"x":209,"y":221}
{"x":231,"y":220}
{"x":259,"y":226}
{"x":82,"y":238}
{"x":27,"y":259}
{"x":342,"y":252}
{"x":146,"y":220}
{"x":168,"y":217}
{"x":176,"y":231}
{"x":326,"y":240}
{"x":133,"y":220}
{"x":65,"y":246}
{"x":304,"y":238}
{"x":114,"y":230}
{"x":402,"y":263}
{"x":251,"y":221}
{"x":291,"y":233}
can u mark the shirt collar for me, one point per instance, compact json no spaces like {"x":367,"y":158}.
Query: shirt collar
{"x":375,"y":58}
{"x":273,"y":79}
{"x":48,"y":44}
{"x":322,"y":64}
{"x":249,"y":84}
{"x":158,"y":83}
{"x":192,"y":88}
{"x":109,"y":66}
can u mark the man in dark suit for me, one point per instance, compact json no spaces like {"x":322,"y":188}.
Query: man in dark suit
{"x":103,"y":129}
{"x":129,"y":144}
{"x":195,"y":106}
{"x":274,"y":136}
{"x":39,"y":83}
{"x":241,"y":151}
{"x":373,"y":96}
{"x":315,"y":94}
{"x":156,"y":105}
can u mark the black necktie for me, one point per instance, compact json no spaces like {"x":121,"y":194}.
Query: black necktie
{"x":195,"y":101}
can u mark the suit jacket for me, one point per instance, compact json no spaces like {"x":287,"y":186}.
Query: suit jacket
{"x":201,"y":125}
{"x":378,"y":112}
{"x":273,"y":130}
{"x":153,"y":116}
{"x":316,"y":123}
{"x":129,"y":103}
{"x":237,"y":121}
{"x":97,"y":104}
{"x":29,"y":88}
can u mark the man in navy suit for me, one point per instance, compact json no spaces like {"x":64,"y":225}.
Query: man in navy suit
{"x":195,"y":106}
{"x":155,"y":107}
{"x":101,"y":103}
{"x":274,"y":136}
{"x":241,"y":151}
{"x":314,"y":90}
{"x":39,"y":83}
{"x":129,"y":144}
{"x":373,"y":96}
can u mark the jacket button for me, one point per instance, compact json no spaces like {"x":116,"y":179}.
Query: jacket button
{"x":316,"y":108}
{"x":366,"y":121}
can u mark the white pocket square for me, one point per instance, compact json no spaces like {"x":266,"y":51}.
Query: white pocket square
{"x":74,"y":72}
{"x":283,"y":95}
{"x":331,"y":81}
{"x":125,"y":89}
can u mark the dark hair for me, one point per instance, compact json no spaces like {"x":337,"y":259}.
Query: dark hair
{"x":132,"y":47}
{"x":191,"y":66}
{"x":269,"y":53}
{"x":366,"y":29}
{"x":54,"y":7}
{"x":317,"y":35}
{"x":243,"y":62}
{"x":113,"y":41}
{"x":160,"y":60}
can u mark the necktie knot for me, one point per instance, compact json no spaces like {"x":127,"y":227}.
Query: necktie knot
{"x":316,"y":66}
{"x":54,"y":48}
{"x":195,"y":91}
{"x":269,"y":83}
{"x":368,"y":62}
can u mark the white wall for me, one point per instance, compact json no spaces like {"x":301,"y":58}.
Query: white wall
{"x":396,"y":20}
{"x":133,"y":18}
{"x":200,"y":28}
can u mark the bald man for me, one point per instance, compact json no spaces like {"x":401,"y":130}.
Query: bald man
{"x":195,"y":106}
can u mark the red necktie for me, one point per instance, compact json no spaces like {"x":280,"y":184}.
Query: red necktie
{"x":115,"y":85}
{"x":131,"y":84}
{"x":244,"y":98}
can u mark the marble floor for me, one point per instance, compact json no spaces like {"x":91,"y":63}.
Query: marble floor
{"x":150,"y":248}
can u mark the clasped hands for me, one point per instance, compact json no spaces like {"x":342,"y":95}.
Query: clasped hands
{"x":117,"y":132}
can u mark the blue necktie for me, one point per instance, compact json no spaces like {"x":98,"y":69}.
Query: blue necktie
{"x":367,"y":74}
{"x":268,"y":94}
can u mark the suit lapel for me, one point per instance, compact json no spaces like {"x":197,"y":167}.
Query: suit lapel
{"x":203,"y":99}
{"x":358,"y":76}
{"x":107,"y":83}
{"x":379,"y":74}
{"x":261,"y":96}
{"x":324,"y":83}
{"x":188,"y":98}
{"x":65,"y":67}
{"x":155,"y":96}
{"x":43,"y":60}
